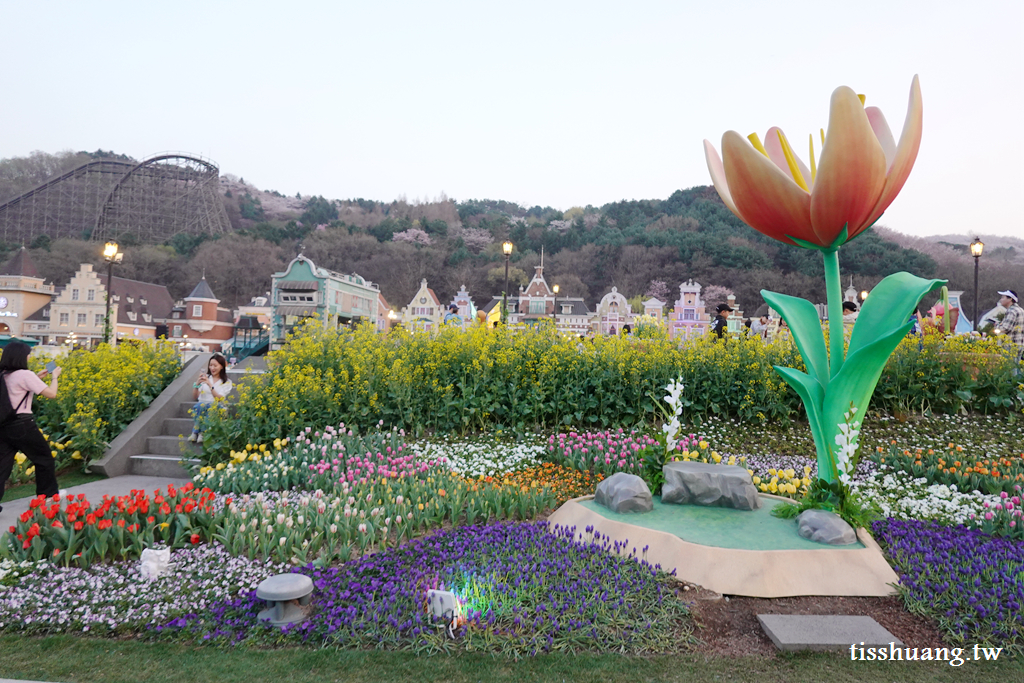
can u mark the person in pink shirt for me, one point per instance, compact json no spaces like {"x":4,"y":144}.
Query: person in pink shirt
{"x":21,"y":433}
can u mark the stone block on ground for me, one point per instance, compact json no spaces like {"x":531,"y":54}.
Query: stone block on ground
{"x":698,"y":483}
{"x":624,"y":492}
{"x":795,"y":632}
{"x":823,"y":526}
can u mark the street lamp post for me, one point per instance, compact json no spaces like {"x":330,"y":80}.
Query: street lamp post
{"x":111,"y":255}
{"x":506,"y":249}
{"x":977,"y":246}
{"x":554,"y":312}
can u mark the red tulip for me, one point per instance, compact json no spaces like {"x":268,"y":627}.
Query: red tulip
{"x":860,"y":172}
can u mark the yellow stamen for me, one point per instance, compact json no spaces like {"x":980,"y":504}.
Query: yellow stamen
{"x":822,"y":136}
{"x":814,"y":168}
{"x":756,"y":142}
{"x":862,"y":99}
{"x":794,"y":169}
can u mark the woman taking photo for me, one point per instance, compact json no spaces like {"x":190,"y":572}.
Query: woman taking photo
{"x":21,"y":433}
{"x":213,"y":384}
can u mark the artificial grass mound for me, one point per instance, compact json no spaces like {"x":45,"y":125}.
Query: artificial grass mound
{"x":720,"y":527}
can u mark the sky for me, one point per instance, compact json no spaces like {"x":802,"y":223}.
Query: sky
{"x":542,"y":103}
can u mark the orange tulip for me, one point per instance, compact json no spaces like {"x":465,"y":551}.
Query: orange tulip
{"x":859,"y":173}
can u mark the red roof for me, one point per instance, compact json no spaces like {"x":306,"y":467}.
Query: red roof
{"x":158,"y":300}
{"x":20,"y":264}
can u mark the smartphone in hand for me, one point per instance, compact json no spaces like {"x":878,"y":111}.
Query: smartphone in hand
{"x":51,"y":366}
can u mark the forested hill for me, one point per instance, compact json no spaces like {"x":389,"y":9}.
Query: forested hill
{"x":642,"y":247}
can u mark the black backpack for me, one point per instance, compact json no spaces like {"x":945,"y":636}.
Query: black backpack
{"x":8,"y":412}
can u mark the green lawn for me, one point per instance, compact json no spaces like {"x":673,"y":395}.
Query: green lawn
{"x":68,"y":658}
{"x":65,"y":479}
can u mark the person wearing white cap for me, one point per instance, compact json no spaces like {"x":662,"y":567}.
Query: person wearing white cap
{"x":1012,"y":323}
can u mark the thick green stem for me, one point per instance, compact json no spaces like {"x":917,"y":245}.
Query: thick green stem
{"x":833,"y":290}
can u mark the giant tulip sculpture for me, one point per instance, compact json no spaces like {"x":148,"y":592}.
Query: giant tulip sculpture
{"x":859,"y":172}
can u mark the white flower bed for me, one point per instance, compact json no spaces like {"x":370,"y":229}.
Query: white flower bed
{"x":475,"y":458}
{"x":111,"y":597}
{"x":901,"y":496}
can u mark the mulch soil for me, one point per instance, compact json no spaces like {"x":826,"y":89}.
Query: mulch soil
{"x":728,"y":626}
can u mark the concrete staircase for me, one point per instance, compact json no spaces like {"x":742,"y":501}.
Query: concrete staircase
{"x":156,"y":443}
{"x":171,"y":453}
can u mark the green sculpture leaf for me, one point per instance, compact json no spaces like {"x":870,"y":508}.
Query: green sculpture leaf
{"x":856,"y":381}
{"x":805,"y":325}
{"x":811,"y":393}
{"x":890,"y":304}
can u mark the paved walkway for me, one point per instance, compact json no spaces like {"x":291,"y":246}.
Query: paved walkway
{"x":94,"y":492}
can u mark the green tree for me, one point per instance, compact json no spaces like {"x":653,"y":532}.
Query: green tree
{"x":319,"y":211}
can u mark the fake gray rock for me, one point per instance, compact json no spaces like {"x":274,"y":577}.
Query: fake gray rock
{"x":698,"y":483}
{"x":823,"y":526}
{"x":623,"y":492}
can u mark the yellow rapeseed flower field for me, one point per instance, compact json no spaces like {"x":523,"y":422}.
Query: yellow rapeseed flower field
{"x":529,"y":379}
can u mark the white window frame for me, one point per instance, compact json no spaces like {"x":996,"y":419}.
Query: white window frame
{"x":74,"y":293}
{"x":197,"y":310}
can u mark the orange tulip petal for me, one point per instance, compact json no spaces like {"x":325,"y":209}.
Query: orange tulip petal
{"x":881,"y":127}
{"x":775,"y":153}
{"x":768,"y":200}
{"x":851,"y":171}
{"x":906,"y":153}
{"x":717,"y":171}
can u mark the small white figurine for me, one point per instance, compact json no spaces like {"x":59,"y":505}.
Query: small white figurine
{"x":155,"y":562}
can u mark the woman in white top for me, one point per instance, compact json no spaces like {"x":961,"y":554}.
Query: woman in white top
{"x":211,"y":386}
{"x":21,"y":432}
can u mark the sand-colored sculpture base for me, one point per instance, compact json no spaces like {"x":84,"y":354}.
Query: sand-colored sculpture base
{"x":856,"y":570}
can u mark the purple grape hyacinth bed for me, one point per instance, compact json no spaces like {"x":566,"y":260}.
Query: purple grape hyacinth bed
{"x":970,"y":582}
{"x":524,"y":591}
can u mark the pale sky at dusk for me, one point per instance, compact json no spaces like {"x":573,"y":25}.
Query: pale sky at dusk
{"x":550,"y":103}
